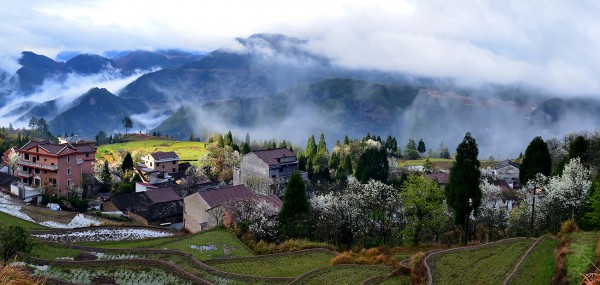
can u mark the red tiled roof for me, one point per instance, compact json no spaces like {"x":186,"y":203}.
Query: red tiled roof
{"x":273,"y":200}
{"x":160,"y":155}
{"x":84,"y":148}
{"x":215,"y":197}
{"x":441,"y":177}
{"x":162,"y":195}
{"x":270,"y":156}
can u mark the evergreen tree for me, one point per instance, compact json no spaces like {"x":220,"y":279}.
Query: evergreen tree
{"x":311,"y":148}
{"x":347,"y":165}
{"x":322,"y":148}
{"x":334,"y":162}
{"x":463,"y":194}
{"x":444,"y":153}
{"x":346,"y":140}
{"x":283,"y":144}
{"x":294,"y":215}
{"x":372,"y":164}
{"x":220,"y":141}
{"x":410,"y":151}
{"x":247,"y":140}
{"x":192,"y":137}
{"x":228,"y":139}
{"x":537,"y":159}
{"x":245,"y":148}
{"x":578,"y":148}
{"x":127,"y":162}
{"x":421,"y":148}
{"x":301,"y":161}
{"x":106,"y":179}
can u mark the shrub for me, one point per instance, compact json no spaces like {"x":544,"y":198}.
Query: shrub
{"x":568,"y":227}
{"x":17,"y":275}
{"x":418,"y":272}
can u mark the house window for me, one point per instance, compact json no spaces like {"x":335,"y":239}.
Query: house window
{"x":173,"y":162}
{"x":69,"y":183}
{"x":37,"y":171}
{"x":157,"y":164}
{"x":280,"y":169}
{"x":68,"y":171}
{"x":173,"y":170}
{"x":87,"y":154}
{"x":26,"y":156}
{"x":68,"y":159}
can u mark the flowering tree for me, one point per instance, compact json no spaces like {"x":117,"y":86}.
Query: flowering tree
{"x":256,"y":215}
{"x":13,"y":160}
{"x":492,"y":212}
{"x":571,"y":187}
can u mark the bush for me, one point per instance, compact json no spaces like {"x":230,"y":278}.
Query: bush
{"x":376,"y":255}
{"x":17,"y":275}
{"x":418,"y":272}
{"x":568,"y":227}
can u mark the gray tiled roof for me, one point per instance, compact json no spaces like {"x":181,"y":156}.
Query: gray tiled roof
{"x":270,"y":156}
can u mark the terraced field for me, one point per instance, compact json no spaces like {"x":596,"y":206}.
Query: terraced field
{"x":583,"y":247}
{"x":539,"y":266}
{"x":272,"y":266}
{"x":487,"y":264}
{"x":343,"y":275}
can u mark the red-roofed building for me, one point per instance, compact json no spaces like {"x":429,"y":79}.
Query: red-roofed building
{"x":268,"y":165}
{"x":197,"y":207}
{"x":57,"y":167}
{"x":165,"y":162}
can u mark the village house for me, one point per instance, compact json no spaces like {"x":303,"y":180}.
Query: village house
{"x":56,"y":168}
{"x":159,"y":167}
{"x":269,"y":165}
{"x":206,"y":209}
{"x":156,"y":207}
{"x":506,"y":170}
{"x":196,"y":215}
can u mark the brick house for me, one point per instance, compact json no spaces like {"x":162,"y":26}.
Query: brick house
{"x":56,"y":167}
{"x":272,"y":164}
{"x":197,"y":207}
{"x":166,"y":162}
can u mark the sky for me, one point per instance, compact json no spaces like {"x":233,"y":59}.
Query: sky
{"x":551,"y":45}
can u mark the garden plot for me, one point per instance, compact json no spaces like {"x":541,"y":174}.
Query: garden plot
{"x":94,"y":235}
{"x":66,"y":220}
{"x":122,"y":275}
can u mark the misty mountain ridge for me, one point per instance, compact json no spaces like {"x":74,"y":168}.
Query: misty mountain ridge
{"x":274,"y":86}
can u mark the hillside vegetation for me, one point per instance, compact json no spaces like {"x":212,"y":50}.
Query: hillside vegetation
{"x":187,"y":151}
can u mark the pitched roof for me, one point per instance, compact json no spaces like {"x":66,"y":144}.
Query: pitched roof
{"x":440,"y":177}
{"x":215,"y":197}
{"x":141,"y":204}
{"x":273,"y":200}
{"x":162,"y":195}
{"x":84,"y":148}
{"x":160,"y":155}
{"x":48,"y":146}
{"x":6,"y":179}
{"x":270,"y":156}
{"x":506,"y":163}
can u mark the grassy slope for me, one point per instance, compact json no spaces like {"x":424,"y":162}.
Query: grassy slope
{"x":539,"y":267}
{"x":345,"y":275}
{"x":187,"y":151}
{"x":583,"y":245}
{"x":272,"y":266}
{"x":6,"y":219}
{"x":213,"y":237}
{"x":396,"y":280}
{"x":485,"y":265}
{"x":50,"y":251}
{"x":219,"y":238}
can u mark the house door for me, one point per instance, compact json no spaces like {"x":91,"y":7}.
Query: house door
{"x":37,"y":182}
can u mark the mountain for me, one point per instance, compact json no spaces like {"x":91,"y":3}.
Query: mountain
{"x":35,"y":69}
{"x":359,"y":106}
{"x":97,"y":110}
{"x":149,"y":59}
{"x":88,"y":64}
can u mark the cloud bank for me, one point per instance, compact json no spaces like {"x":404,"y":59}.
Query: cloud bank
{"x":551,"y":45}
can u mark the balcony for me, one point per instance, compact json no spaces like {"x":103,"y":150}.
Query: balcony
{"x":38,"y":165}
{"x":25,"y":174}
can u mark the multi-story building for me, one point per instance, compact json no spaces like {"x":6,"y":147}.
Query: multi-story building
{"x":269,"y":165}
{"x":166,"y":162}
{"x":56,"y":167}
